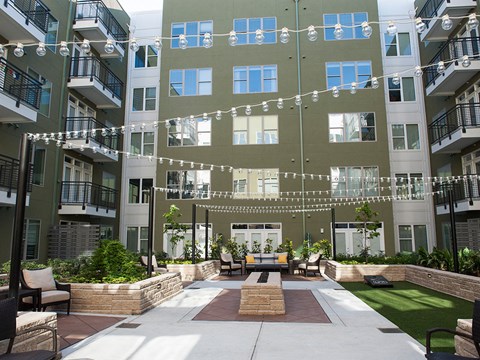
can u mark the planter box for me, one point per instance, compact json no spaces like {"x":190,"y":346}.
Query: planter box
{"x":196,"y":272}
{"x":355,"y":273}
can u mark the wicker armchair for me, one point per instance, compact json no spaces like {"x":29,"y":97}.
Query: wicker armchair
{"x":311,"y":265}
{"x":228,"y":264}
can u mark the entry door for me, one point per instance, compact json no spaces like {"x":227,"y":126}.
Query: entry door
{"x":80,"y":173}
{"x":351,"y":242}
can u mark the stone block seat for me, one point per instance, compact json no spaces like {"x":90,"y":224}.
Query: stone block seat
{"x":265,"y":262}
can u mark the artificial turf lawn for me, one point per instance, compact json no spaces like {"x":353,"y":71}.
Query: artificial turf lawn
{"x":414,"y":309}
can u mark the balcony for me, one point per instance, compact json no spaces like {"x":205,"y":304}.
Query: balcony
{"x":458,"y":128}
{"x":9,"y":181}
{"x":86,"y":198}
{"x":455,"y":74}
{"x":96,"y":23}
{"x":99,"y":146}
{"x":96,"y":82}
{"x":466,"y":195}
{"x":19,"y":95}
{"x":438,"y":8}
{"x":24,"y":20}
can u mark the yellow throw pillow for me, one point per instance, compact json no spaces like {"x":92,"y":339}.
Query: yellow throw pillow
{"x":282,"y":259}
{"x":250,"y":259}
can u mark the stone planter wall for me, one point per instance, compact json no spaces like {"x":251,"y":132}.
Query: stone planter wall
{"x":196,"y":272}
{"x":355,"y":273}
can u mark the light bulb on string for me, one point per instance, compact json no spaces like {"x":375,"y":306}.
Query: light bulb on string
{"x":134,"y":45}
{"x":375,"y":84}
{"x":181,"y":163}
{"x":338,"y":32}
{"x":232,"y":38}
{"x":391,"y":28}
{"x":472,"y":23}
{"x":284,"y":36}
{"x":233,"y":112}
{"x":312,"y":34}
{"x":41,"y":49}
{"x":122,"y":129}
{"x":2,"y":51}
{"x":85,"y":46}
{"x":335,"y":92}
{"x":167,"y":124}
{"x":315,"y":96}
{"x":218,"y":115}
{"x":157,"y":44}
{"x":64,"y":50}
{"x":447,"y":23}
{"x":182,"y":42}
{"x":207,"y":41}
{"x":19,"y":52}
{"x":109,"y":46}
{"x":441,"y":67}
{"x":366,"y":29}
{"x":396,"y":79}
{"x":466,"y":62}
{"x":205,"y":117}
{"x":265,"y":106}
{"x":280,"y":103}
{"x":353,"y":88}
{"x":418,"y":71}
{"x":248,"y":110}
{"x":259,"y":37}
{"x":420,"y":25}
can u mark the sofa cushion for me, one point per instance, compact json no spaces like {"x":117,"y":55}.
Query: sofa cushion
{"x":42,"y":278}
{"x":250,"y":259}
{"x":257,"y":257}
{"x":282,"y":259}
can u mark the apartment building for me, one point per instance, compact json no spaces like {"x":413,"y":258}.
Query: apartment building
{"x":450,"y":54}
{"x":70,"y":97}
{"x":270,"y":169}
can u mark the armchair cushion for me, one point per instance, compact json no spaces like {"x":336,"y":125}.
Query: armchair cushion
{"x":42,"y":278}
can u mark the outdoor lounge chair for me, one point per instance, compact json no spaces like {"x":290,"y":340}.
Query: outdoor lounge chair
{"x":49,"y":291}
{"x":475,"y":337}
{"x":155,"y":267}
{"x":311,"y":265}
{"x":8,"y":330}
{"x":228,"y":264}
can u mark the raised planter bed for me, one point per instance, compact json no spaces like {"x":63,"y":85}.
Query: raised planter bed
{"x":196,"y":272}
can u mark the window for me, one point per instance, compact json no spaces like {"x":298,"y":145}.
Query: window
{"x":404,"y":91}
{"x":39,"y":157}
{"x":51,"y":35}
{"x":405,"y":137}
{"x":106,"y":232}
{"x":194,"y":31}
{"x":139,"y":191}
{"x":191,"y":82}
{"x":146,"y":57}
{"x":190,"y":133}
{"x":354,"y":181}
{"x":255,"y":79}
{"x":398,"y":44}
{"x":137,"y":238}
{"x":46,"y":93}
{"x":350,"y":22}
{"x":144,"y":99}
{"x":410,"y":186}
{"x":342,"y":74}
{"x":31,"y":239}
{"x":142,"y":143}
{"x":193,"y":184}
{"x":108,"y":180}
{"x":351,"y":127}
{"x":255,"y":130}
{"x":244,"y":26}
{"x":255,"y":184}
{"x":412,"y":237}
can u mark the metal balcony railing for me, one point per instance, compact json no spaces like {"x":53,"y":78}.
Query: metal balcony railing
{"x":88,"y":194}
{"x":429,"y":10}
{"x":34,"y":11}
{"x":9,"y":174}
{"x":452,"y":49}
{"x":81,"y":128}
{"x":19,"y":85}
{"x":91,"y":67}
{"x":461,"y":116}
{"x":467,"y":188}
{"x":97,"y":11}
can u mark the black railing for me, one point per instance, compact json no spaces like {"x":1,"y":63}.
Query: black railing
{"x":466,"y":188}
{"x":9,"y":174}
{"x":452,"y":49}
{"x":462,"y":116}
{"x":429,"y":10}
{"x":19,"y":85}
{"x":93,"y":68}
{"x":97,"y":11}
{"x":81,"y":128}
{"x":34,"y":11}
{"x":87,"y":194}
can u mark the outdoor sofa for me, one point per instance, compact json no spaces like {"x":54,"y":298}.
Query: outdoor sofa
{"x":264,"y":262}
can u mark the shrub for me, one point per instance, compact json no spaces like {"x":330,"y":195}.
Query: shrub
{"x":232,"y":247}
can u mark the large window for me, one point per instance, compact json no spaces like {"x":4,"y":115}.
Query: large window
{"x":351,"y":127}
{"x":46,"y":93}
{"x":403,"y":91}
{"x":398,"y":44}
{"x":139,"y":191}
{"x":51,"y":35}
{"x":193,"y":184}
{"x":137,"y":238}
{"x":412,"y":237}
{"x":410,"y":186}
{"x":351,"y":25}
{"x":31,"y":239}
{"x":144,"y":99}
{"x":255,"y":184}
{"x":255,"y":130}
{"x":255,"y":79}
{"x":142,"y":143}
{"x":39,"y":157}
{"x":191,"y":82}
{"x":188,"y":132}
{"x":193,"y":30}
{"x":244,"y":26}
{"x":342,"y":74}
{"x":354,"y":181}
{"x":146,"y":57}
{"x":405,"y":137}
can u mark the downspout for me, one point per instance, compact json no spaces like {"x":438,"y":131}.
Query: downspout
{"x":300,"y":114}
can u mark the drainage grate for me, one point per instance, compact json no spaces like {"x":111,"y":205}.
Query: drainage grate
{"x":128,"y":326}
{"x":391,"y":330}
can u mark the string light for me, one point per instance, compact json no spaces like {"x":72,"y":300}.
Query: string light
{"x":265,"y":107}
{"x":298,"y":100}
{"x":284,"y":36}
{"x":64,"y":50}
{"x":182,"y":42}
{"x":280,"y":103}
{"x":396,"y":79}
{"x":466,"y":62}
{"x":19,"y":52}
{"x":335,"y":92}
{"x":447,"y":23}
{"x":312,"y":34}
{"x":338,"y":32}
{"x":441,"y":67}
{"x":41,"y":49}
{"x":2,"y":51}
{"x":420,"y":25}
{"x":259,"y":37}
{"x":109,"y":47}
{"x":353,"y":88}
{"x":391,"y":28}
{"x":85,"y":46}
{"x":207,"y":41}
{"x":232,"y":39}
{"x":472,"y":23}
{"x":315,"y":96}
{"x":248,"y":110}
{"x":366,"y":29}
{"x":418,"y":71}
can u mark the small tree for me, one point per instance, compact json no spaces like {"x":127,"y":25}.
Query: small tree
{"x":268,"y":248}
{"x":174,"y":228}
{"x":368,"y":226}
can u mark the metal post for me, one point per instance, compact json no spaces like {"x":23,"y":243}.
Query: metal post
{"x":206,"y":234}
{"x":18,"y":224}
{"x":194,"y":226}
{"x":453,"y":230}
{"x":151,"y":224}
{"x":334,"y":235}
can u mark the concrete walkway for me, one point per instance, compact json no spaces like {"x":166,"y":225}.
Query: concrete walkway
{"x":168,"y":332}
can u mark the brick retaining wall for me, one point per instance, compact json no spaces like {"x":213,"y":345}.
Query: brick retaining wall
{"x":196,"y":272}
{"x":354,"y":273}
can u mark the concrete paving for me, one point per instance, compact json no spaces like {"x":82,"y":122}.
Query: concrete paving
{"x":168,"y":332}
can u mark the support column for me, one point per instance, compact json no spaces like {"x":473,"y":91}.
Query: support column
{"x":151,"y":224}
{"x":194,"y":226}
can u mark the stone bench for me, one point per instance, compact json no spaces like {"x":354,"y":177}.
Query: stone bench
{"x":262,"y":298}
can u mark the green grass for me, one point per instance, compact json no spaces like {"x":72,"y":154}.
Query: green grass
{"x":414,"y":309}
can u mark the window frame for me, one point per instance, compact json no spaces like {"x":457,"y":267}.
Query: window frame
{"x":199,"y":35}
{"x":139,"y":238}
{"x":405,"y":137}
{"x":47,"y":88}
{"x":400,"y":88}
{"x":197,"y":82}
{"x":342,"y":85}
{"x":145,"y":100}
{"x":180,"y":191}
{"x":26,"y":225}
{"x":143,"y":196}
{"x":396,"y":44}
{"x":404,"y":181}
{"x":248,"y":131}
{"x":347,"y":180}
{"x":182,"y":131}
{"x":249,"y":69}
{"x":360,"y":128}
{"x":147,"y":57}
{"x":246,"y":183}
{"x":249,"y":33}
{"x":356,"y":30}
{"x":143,"y":143}
{"x":36,"y":148}
{"x":412,"y":238}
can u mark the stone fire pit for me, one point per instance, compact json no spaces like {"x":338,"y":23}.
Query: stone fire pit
{"x":262,"y":298}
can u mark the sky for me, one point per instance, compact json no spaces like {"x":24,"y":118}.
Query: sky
{"x":131,"y":6}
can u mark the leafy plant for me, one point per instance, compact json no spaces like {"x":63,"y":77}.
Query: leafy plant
{"x":232,"y":247}
{"x":243,"y":250}
{"x":287,"y":246}
{"x":368,"y":226}
{"x":268,"y":248}
{"x":216,"y":244}
{"x":305,"y":252}
{"x":256,"y":247}
{"x":469,"y":262}
{"x":174,"y":228}
{"x":187,"y":251}
{"x":324,"y":246}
